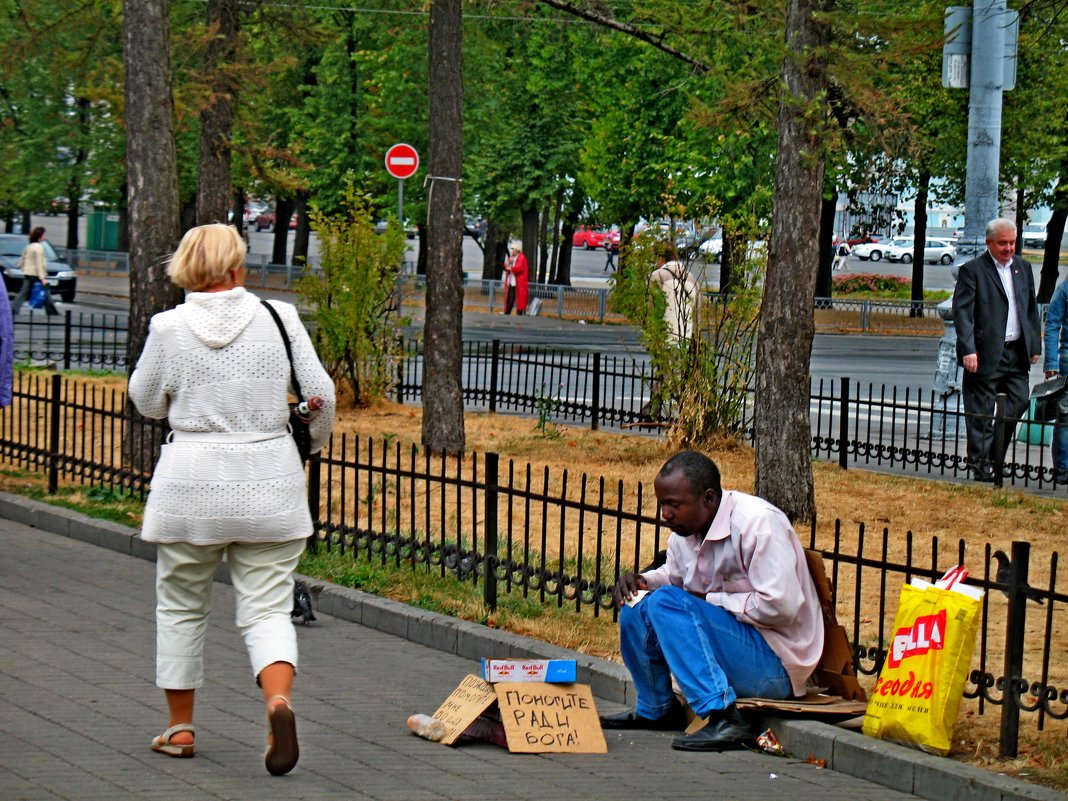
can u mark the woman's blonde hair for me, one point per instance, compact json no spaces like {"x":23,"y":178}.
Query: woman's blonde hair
{"x":206,"y":256}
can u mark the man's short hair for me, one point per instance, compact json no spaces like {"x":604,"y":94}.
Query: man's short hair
{"x":999,"y":224}
{"x":700,"y":471}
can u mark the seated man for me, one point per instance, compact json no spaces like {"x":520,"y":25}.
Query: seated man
{"x":732,"y":613}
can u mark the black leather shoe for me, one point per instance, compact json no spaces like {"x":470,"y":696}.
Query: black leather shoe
{"x":1061,"y":476}
{"x":672,"y":720}
{"x":726,"y":730}
{"x":984,"y":475}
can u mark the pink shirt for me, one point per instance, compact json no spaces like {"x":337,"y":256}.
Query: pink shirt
{"x":751,"y":563}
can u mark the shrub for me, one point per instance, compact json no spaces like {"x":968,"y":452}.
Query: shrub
{"x":354,"y":299}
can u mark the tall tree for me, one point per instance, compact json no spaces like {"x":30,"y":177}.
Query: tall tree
{"x":217,"y":116}
{"x":151,"y":168}
{"x":443,"y":402}
{"x":783,"y":428}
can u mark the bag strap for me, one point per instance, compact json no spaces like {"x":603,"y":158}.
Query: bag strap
{"x":289,"y":350}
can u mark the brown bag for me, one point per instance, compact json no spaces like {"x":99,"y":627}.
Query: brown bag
{"x":835,"y":668}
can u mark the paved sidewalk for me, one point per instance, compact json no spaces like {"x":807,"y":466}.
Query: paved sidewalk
{"x":78,"y":705}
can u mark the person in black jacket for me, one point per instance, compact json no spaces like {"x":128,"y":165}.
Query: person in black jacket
{"x":998,"y":338}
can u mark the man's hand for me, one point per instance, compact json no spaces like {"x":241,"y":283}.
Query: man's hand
{"x":1035,"y":358}
{"x":971,"y":362}
{"x":628,"y":584}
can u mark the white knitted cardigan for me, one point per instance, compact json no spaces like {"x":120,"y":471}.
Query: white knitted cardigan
{"x":216,"y":368}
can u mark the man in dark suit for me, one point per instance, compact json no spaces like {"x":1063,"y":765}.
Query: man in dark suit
{"x":998,"y":338}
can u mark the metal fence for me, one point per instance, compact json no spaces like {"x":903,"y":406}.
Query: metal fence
{"x":879,"y":427}
{"x":512,"y":528}
{"x":832,"y":315}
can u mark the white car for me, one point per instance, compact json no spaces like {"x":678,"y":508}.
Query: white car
{"x":935,"y":251}
{"x":1034,"y":235}
{"x":900,"y":249}
{"x":875,"y":250}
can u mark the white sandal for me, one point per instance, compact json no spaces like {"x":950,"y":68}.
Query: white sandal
{"x":163,"y":743}
{"x":282,"y":749}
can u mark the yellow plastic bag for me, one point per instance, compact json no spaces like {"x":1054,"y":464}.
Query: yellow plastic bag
{"x":918,"y":693}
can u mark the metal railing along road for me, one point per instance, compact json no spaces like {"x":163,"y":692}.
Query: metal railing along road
{"x":559,"y":539}
{"x":832,"y":315}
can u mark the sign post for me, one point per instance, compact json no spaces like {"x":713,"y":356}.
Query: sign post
{"x":402,"y":161}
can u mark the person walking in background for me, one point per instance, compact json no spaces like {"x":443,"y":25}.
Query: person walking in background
{"x":998,"y":338}
{"x":1056,"y":363}
{"x":516,"y":280}
{"x":229,"y":482}
{"x":841,"y":255}
{"x":34,"y":268}
{"x":680,"y":291}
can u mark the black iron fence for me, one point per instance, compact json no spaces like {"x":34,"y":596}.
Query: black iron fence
{"x":867,"y":425}
{"x":563,"y":539}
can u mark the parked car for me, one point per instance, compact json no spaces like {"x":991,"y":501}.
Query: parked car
{"x":589,"y":238}
{"x":61,"y":278}
{"x":1034,"y":235}
{"x":934,"y":250}
{"x":862,"y":239}
{"x":265,"y":220}
{"x":874,"y":250}
{"x":712,"y":248}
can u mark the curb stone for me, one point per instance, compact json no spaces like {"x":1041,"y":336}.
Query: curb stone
{"x":845,"y":751}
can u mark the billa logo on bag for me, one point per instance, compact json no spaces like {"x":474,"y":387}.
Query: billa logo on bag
{"x":927,"y":633}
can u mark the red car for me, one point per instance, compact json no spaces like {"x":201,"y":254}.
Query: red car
{"x":589,"y":238}
{"x":265,"y":221}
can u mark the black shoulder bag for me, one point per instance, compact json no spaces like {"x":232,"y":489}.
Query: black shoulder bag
{"x":297,"y":425}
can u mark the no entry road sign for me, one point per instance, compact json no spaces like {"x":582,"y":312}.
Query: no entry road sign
{"x":402,"y":161}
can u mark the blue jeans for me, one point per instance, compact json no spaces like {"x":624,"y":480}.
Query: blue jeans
{"x":715,"y":657}
{"x":1060,"y":436}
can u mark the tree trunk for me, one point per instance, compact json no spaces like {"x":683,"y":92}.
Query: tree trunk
{"x":238,"y":207}
{"x":530,"y":239}
{"x":731,"y":254}
{"x":554,"y":255}
{"x":151,"y":165}
{"x":283,"y":210}
{"x":828,"y":207}
{"x":919,"y":240}
{"x":151,"y":186}
{"x":217,"y":116}
{"x":1021,"y":210}
{"x":783,"y":429}
{"x":543,"y":247}
{"x":494,"y":250}
{"x":443,"y":401}
{"x":563,"y":258}
{"x":74,"y":187}
{"x":420,"y":250}
{"x":1052,"y":256}
{"x":302,"y":236}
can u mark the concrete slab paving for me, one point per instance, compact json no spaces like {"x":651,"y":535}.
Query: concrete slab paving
{"x":79,"y":706}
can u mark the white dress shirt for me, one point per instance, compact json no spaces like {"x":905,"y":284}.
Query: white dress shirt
{"x":1012,"y":320}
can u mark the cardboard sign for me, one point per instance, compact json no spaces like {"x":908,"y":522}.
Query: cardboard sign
{"x":469,"y":700}
{"x":550,"y":718}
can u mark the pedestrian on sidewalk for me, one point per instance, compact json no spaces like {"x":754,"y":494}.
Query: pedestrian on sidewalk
{"x":34,"y":268}
{"x":516,"y":280}
{"x":229,"y":481}
{"x":733,"y":611}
